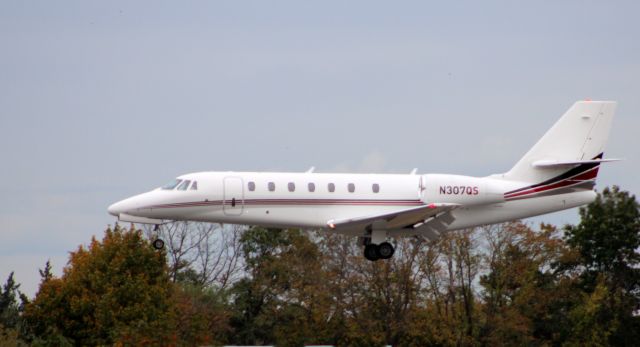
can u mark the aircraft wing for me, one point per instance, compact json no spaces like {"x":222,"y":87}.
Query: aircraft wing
{"x":413,"y":218}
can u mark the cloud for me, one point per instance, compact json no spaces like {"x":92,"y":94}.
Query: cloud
{"x":373,"y":162}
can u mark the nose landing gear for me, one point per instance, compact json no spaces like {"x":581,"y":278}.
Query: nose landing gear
{"x":157,"y":243}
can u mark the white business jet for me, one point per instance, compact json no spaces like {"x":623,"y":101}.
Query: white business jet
{"x":557,"y":173}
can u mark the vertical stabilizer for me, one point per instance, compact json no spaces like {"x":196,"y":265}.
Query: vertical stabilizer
{"x":579,"y":135}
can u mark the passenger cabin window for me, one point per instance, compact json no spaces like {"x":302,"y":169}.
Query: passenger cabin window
{"x":171,"y":184}
{"x":312,"y":187}
{"x":252,"y":186}
{"x":291,"y":186}
{"x":331,"y":187}
{"x":184,"y":185}
{"x":351,"y":187}
{"x":194,"y":185}
{"x":271,"y":186}
{"x":375,"y":187}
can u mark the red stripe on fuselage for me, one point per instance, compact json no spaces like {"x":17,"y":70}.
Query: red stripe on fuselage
{"x":588,"y":175}
{"x":293,"y":202}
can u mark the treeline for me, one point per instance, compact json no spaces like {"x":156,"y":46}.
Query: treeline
{"x":503,"y":285}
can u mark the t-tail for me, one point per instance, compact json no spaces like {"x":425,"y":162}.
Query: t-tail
{"x":568,"y":156}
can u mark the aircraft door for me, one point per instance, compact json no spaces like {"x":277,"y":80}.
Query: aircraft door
{"x":233,"y":196}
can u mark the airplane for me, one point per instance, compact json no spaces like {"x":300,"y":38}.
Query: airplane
{"x":559,"y":172}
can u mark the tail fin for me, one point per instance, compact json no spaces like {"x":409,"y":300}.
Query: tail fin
{"x":576,"y":139}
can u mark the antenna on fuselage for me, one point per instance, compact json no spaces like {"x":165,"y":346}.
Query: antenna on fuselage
{"x":311,"y":169}
{"x":414,"y":171}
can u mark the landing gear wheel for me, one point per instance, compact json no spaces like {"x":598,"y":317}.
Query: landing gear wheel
{"x":385,"y":250}
{"x":158,"y":244}
{"x":371,"y":252}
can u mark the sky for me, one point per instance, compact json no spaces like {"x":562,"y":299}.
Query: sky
{"x":103,"y":100}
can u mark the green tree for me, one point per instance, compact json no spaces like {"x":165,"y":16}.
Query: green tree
{"x":252,"y":295}
{"x":526,"y":302}
{"x":10,"y":308}
{"x":202,"y":315}
{"x":46,"y":274}
{"x":607,"y":241}
{"x":10,"y":313}
{"x":608,"y":237}
{"x":383,"y":296}
{"x":114,"y":291}
{"x":592,"y":321}
{"x":282,"y":300}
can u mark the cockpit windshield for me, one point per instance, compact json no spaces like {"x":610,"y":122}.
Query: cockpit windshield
{"x":171,"y":184}
{"x":184,"y":185}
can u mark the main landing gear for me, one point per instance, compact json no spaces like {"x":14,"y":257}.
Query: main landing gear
{"x":376,"y":247}
{"x":374,"y":252}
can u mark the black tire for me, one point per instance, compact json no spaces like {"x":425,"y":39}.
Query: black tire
{"x":158,"y":244}
{"x":371,"y":252}
{"x":385,"y":250}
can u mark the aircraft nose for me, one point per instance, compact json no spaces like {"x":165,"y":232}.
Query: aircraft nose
{"x":116,"y":208}
{"x":132,"y":205}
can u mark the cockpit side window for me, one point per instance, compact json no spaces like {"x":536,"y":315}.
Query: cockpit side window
{"x":194,"y":186}
{"x":184,"y":185}
{"x":171,"y":184}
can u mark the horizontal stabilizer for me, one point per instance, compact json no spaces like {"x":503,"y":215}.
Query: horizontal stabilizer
{"x":555,"y":163}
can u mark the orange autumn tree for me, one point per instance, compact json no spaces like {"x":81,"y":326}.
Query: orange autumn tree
{"x":114,"y":291}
